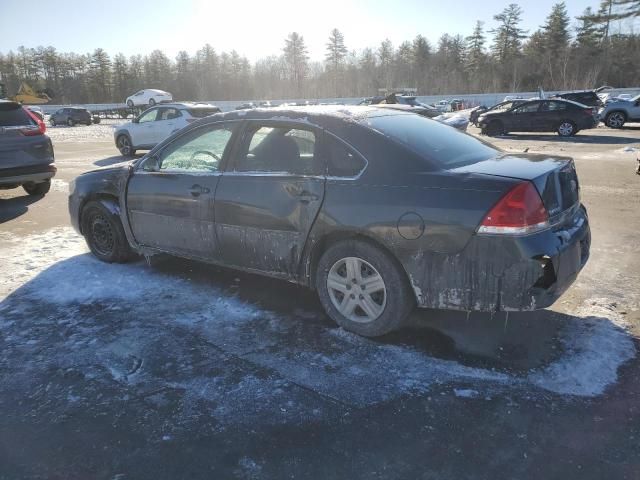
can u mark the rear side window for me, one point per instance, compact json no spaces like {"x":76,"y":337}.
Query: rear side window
{"x":342,"y":161}
{"x":281,"y":150}
{"x":169,"y":114}
{"x":202,"y":112}
{"x":13,"y":117}
{"x":554,"y":106}
{"x":442,"y":145}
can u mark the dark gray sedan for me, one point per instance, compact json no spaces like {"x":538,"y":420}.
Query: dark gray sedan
{"x":378,"y":210}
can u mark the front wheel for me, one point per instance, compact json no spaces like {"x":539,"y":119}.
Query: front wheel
{"x":71,"y":122}
{"x":52,"y":122}
{"x":104,"y":234}
{"x":41,"y":188}
{"x":363,"y":289}
{"x":152,"y":102}
{"x":567,"y":128}
{"x":130,"y":103}
{"x":124,"y":146}
{"x":615,"y":120}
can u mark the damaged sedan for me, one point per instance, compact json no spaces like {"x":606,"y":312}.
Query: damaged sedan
{"x":378,"y":210}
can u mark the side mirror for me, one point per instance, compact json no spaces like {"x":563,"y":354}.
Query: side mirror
{"x":151,"y":164}
{"x":135,"y":120}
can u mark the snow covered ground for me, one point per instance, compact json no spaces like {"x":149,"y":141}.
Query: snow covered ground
{"x":84,"y":133}
{"x":112,"y":322}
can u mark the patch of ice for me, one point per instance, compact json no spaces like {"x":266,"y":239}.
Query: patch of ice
{"x":465,"y":392}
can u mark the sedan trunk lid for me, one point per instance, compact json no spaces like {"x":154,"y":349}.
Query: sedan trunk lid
{"x":554,"y":177}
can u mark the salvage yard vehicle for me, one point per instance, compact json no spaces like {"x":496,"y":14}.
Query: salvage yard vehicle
{"x":562,"y":116}
{"x":377,"y":210}
{"x":70,"y":116}
{"x":618,"y":112}
{"x":502,"y":107}
{"x":155,"y":124}
{"x":149,"y":96}
{"x":589,"y":98}
{"x":26,"y":152}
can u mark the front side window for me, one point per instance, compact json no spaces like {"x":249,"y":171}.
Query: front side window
{"x":527,"y":108}
{"x":281,"y":150}
{"x":149,"y":116}
{"x":199,"y":151}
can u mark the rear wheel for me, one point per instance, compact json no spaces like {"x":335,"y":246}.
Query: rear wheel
{"x":152,"y":102}
{"x":52,"y":121}
{"x":363,"y":289}
{"x":104,"y":234}
{"x":41,"y":188}
{"x":566,"y":128}
{"x":130,"y":103}
{"x":494,"y":129}
{"x":124,"y":145}
{"x":615,"y":119}
{"x":71,"y":122}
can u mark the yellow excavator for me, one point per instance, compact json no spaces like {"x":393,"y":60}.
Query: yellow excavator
{"x":26,"y":95}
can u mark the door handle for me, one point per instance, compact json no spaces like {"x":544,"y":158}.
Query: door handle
{"x":196,"y":190}
{"x":306,"y":197}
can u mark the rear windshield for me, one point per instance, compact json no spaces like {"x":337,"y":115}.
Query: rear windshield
{"x":203,"y":112}
{"x":11,"y":116}
{"x":444,"y":146}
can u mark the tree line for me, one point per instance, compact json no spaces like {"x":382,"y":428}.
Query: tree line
{"x":562,"y":54}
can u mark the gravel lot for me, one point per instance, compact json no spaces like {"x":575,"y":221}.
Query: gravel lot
{"x":181,"y":370}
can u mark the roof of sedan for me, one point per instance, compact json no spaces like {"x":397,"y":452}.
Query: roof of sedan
{"x":312,"y":114}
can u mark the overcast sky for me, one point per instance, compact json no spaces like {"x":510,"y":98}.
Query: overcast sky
{"x":254,"y":29}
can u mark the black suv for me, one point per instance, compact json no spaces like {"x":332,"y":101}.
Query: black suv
{"x":26,"y":153}
{"x":70,"y":116}
{"x":586,"y":97}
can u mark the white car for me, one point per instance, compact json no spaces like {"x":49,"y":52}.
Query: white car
{"x":157,"y":123}
{"x":149,"y":96}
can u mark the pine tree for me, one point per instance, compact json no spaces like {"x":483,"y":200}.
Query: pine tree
{"x":507,"y":45}
{"x":296,"y":58}
{"x":336,"y":52}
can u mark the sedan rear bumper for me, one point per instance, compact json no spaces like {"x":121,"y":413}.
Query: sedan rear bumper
{"x":500,"y":273}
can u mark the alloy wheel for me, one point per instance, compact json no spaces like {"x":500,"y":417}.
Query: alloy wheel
{"x":616,"y":120}
{"x":124,"y":145}
{"x":565,"y":129}
{"x":357,"y":290}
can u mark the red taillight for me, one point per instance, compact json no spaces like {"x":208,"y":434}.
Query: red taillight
{"x":30,"y":131}
{"x":520,"y":211}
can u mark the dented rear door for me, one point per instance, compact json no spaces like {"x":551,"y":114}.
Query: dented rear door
{"x":267,"y":202}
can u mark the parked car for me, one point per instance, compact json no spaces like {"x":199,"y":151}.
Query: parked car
{"x":157,"y":123}
{"x":562,"y":116}
{"x":372,"y":100}
{"x":424,"y":110}
{"x":377,"y":210}
{"x":589,"y":98}
{"x":37,"y":111}
{"x":499,"y":107}
{"x":618,"y":112}
{"x":246,"y":106}
{"x":149,"y":96}
{"x":70,"y":116}
{"x":26,"y":152}
{"x":443,"y":106}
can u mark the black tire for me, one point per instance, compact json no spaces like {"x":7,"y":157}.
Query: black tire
{"x":566,"y":128}
{"x":71,"y":122}
{"x":399,"y":300}
{"x":495,"y":128}
{"x":124,"y":145}
{"x":104,"y":234}
{"x":52,"y":122}
{"x":41,"y":188}
{"x":615,"y":119}
{"x":152,"y":102}
{"x":130,"y":103}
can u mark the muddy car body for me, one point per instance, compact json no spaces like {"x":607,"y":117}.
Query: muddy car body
{"x":377,"y":193}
